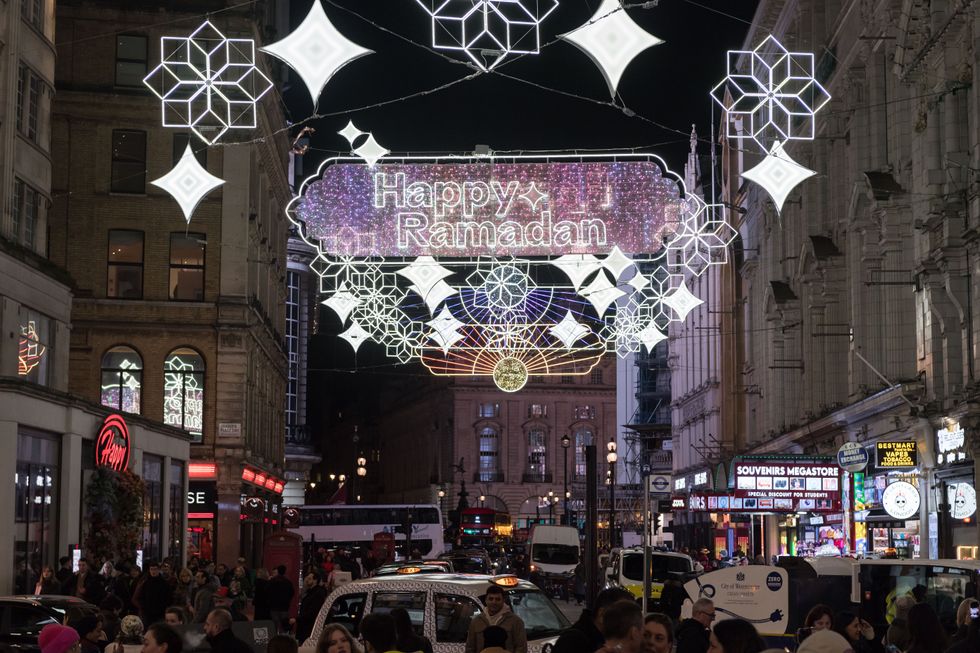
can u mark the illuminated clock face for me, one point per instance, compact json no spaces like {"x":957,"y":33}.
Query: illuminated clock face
{"x":962,"y":500}
{"x":901,"y":500}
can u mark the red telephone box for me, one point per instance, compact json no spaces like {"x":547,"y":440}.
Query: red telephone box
{"x":383,"y":547}
{"x":285,"y":548}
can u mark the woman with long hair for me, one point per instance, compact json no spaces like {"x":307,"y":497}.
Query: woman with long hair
{"x":335,"y":638}
{"x":926,"y":633}
{"x":820,"y":617}
{"x":406,"y":639}
{"x":735,"y":636}
{"x":47,"y":583}
{"x":855,"y":630}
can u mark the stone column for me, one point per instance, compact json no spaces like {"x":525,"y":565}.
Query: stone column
{"x":8,"y":467}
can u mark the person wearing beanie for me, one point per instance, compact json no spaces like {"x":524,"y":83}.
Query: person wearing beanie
{"x":55,"y":638}
{"x":825,"y":641}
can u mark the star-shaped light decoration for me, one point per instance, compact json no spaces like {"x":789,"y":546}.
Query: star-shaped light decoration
{"x":601,"y":293}
{"x":486,"y":29}
{"x":316,"y":50}
{"x":446,"y":328}
{"x":612,"y":40}
{"x":777,"y":94}
{"x":617,"y":263}
{"x":369,"y":150}
{"x":208,"y":83}
{"x":188,"y":182}
{"x":569,"y":330}
{"x":682,"y":301}
{"x":355,"y":335}
{"x":651,"y":336}
{"x":778,"y":174}
{"x":342,"y":302}
{"x":533,"y":196}
{"x":427,"y":277}
{"x":638,"y":282}
{"x":577,"y":267}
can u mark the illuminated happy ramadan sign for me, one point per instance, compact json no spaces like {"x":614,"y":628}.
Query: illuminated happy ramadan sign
{"x":479,"y":209}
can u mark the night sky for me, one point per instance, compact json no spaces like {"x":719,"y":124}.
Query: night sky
{"x":667,"y":84}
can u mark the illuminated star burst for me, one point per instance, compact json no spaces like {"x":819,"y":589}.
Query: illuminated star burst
{"x":488,"y":28}
{"x":208,"y":83}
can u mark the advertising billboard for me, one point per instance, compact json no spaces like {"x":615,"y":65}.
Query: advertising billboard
{"x":810,"y":484}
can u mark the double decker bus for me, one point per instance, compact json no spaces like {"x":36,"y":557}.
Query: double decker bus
{"x":355,"y":526}
{"x":484,"y":527}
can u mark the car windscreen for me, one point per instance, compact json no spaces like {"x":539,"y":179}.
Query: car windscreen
{"x":541,"y":617}
{"x":471,"y":565}
{"x":554,"y":554}
{"x":660,"y":566}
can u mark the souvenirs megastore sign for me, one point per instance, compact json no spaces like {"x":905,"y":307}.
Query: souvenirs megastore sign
{"x":806,"y":483}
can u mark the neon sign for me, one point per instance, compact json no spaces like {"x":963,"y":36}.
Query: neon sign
{"x":112,"y":446}
{"x":30,"y":350}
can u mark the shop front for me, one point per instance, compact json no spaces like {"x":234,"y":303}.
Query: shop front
{"x":955,"y":494}
{"x":887,"y":500}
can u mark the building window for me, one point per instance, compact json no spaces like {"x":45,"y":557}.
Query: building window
{"x":595,"y":377}
{"x":198,"y":147}
{"x":183,"y":391}
{"x":566,"y":380}
{"x":583,"y":438}
{"x":489,"y":410}
{"x":537,"y":410}
{"x":178,"y":506}
{"x":130,"y":60}
{"x":122,"y":379}
{"x":152,"y":506}
{"x":128,"y":161}
{"x":187,"y":266}
{"x":35,"y":524}
{"x":32,"y":11}
{"x":28,"y":102}
{"x":24,"y":214}
{"x":125,"y":264}
{"x":584,"y":412}
{"x":489,"y":454}
{"x":292,"y":348}
{"x":536,"y":453}
{"x":34,"y":347}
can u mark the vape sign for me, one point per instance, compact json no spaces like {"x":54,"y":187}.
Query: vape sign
{"x":112,"y":444}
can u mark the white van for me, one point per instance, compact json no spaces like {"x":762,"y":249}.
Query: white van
{"x":554,"y":550}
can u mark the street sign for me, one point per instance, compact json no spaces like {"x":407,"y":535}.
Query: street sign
{"x":852,"y":457}
{"x":659,"y":483}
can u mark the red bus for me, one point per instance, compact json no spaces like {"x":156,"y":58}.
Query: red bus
{"x":484,"y":527}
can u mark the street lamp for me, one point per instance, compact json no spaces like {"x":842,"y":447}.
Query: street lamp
{"x":611,"y":458}
{"x":565,"y":443}
{"x":551,"y":506}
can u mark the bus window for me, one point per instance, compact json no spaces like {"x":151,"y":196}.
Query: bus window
{"x":453,"y":616}
{"x":347,"y":611}
{"x":943,"y":588}
{"x":413,"y":602}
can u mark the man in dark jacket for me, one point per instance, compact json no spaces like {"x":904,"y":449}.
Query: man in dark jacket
{"x":314,"y":594}
{"x":207,"y":585}
{"x":585,"y":635}
{"x":86,"y":584}
{"x":217,"y":628}
{"x":693,"y":634}
{"x":153,"y":595}
{"x":64,"y":570}
{"x":280,"y":598}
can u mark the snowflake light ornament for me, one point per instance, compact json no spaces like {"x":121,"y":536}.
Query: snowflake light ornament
{"x":612,"y":40}
{"x":491,"y":28}
{"x":188,"y":183}
{"x":316,"y":50}
{"x":701,"y":238}
{"x":208,"y":83}
{"x":777,"y":96}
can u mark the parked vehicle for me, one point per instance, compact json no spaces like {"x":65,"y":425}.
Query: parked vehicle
{"x":626,"y":570}
{"x":554,"y":550}
{"x":469,"y":561}
{"x":415,"y":567}
{"x":23,"y":617}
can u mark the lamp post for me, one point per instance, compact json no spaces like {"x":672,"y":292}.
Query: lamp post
{"x":551,"y":506}
{"x":565,"y":443}
{"x":361,"y":472}
{"x":611,"y":458}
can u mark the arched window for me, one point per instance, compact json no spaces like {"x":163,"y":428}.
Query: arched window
{"x":122,"y":379}
{"x":489,"y":455}
{"x":583,"y":438}
{"x":536,"y":455}
{"x":183,"y":391}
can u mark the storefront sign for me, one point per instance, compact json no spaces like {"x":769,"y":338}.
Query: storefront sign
{"x":718,"y":502}
{"x":852,"y":457}
{"x":701,"y":478}
{"x":112,"y":444}
{"x":680,"y":483}
{"x":962,"y":500}
{"x":809,"y":484}
{"x":202,"y":500}
{"x":758,"y":594}
{"x":950,"y":444}
{"x":678,"y":503}
{"x":901,"y":500}
{"x":896,"y":455}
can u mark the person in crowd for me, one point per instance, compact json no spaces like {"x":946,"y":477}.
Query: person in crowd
{"x":970,"y":642}
{"x":735,"y":636}
{"x":497,"y":613}
{"x":237,"y":601}
{"x":926,"y":633}
{"x":85,"y":585}
{"x":963,"y":618}
{"x":495,"y":639}
{"x":126,"y":586}
{"x":335,"y":638}
{"x":825,"y":641}
{"x":579,"y":582}
{"x":282,"y":644}
{"x":223,"y":574}
{"x":622,"y":623}
{"x":109,"y":610}
{"x":585,"y":635}
{"x":261,"y":603}
{"x":897,"y":634}
{"x":217,"y":629}
{"x":107,"y":573}
{"x":55,"y":638}
{"x":378,"y":633}
{"x":48,"y":582}
{"x":183,"y":588}
{"x":204,"y":598}
{"x":161,"y":638}
{"x":64,"y":570}
{"x":130,"y":635}
{"x":406,"y":639}
{"x":311,"y":600}
{"x":240,"y":574}
{"x":820,"y":617}
{"x":658,"y":633}
{"x":90,"y":633}
{"x":855,"y":630}
{"x":153,"y":595}
{"x":694,"y":634}
{"x":280,"y":598}
{"x":672,"y":598}
{"x":175,"y":615}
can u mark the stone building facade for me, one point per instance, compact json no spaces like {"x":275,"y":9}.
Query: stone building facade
{"x":197,"y":308}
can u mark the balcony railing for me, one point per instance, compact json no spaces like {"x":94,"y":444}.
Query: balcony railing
{"x":488,"y":477}
{"x":299,"y":435}
{"x":536,"y":477}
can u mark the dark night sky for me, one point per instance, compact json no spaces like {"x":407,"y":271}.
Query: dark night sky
{"x":668,"y":84}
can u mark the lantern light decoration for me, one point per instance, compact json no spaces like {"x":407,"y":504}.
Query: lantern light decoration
{"x":612,"y":40}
